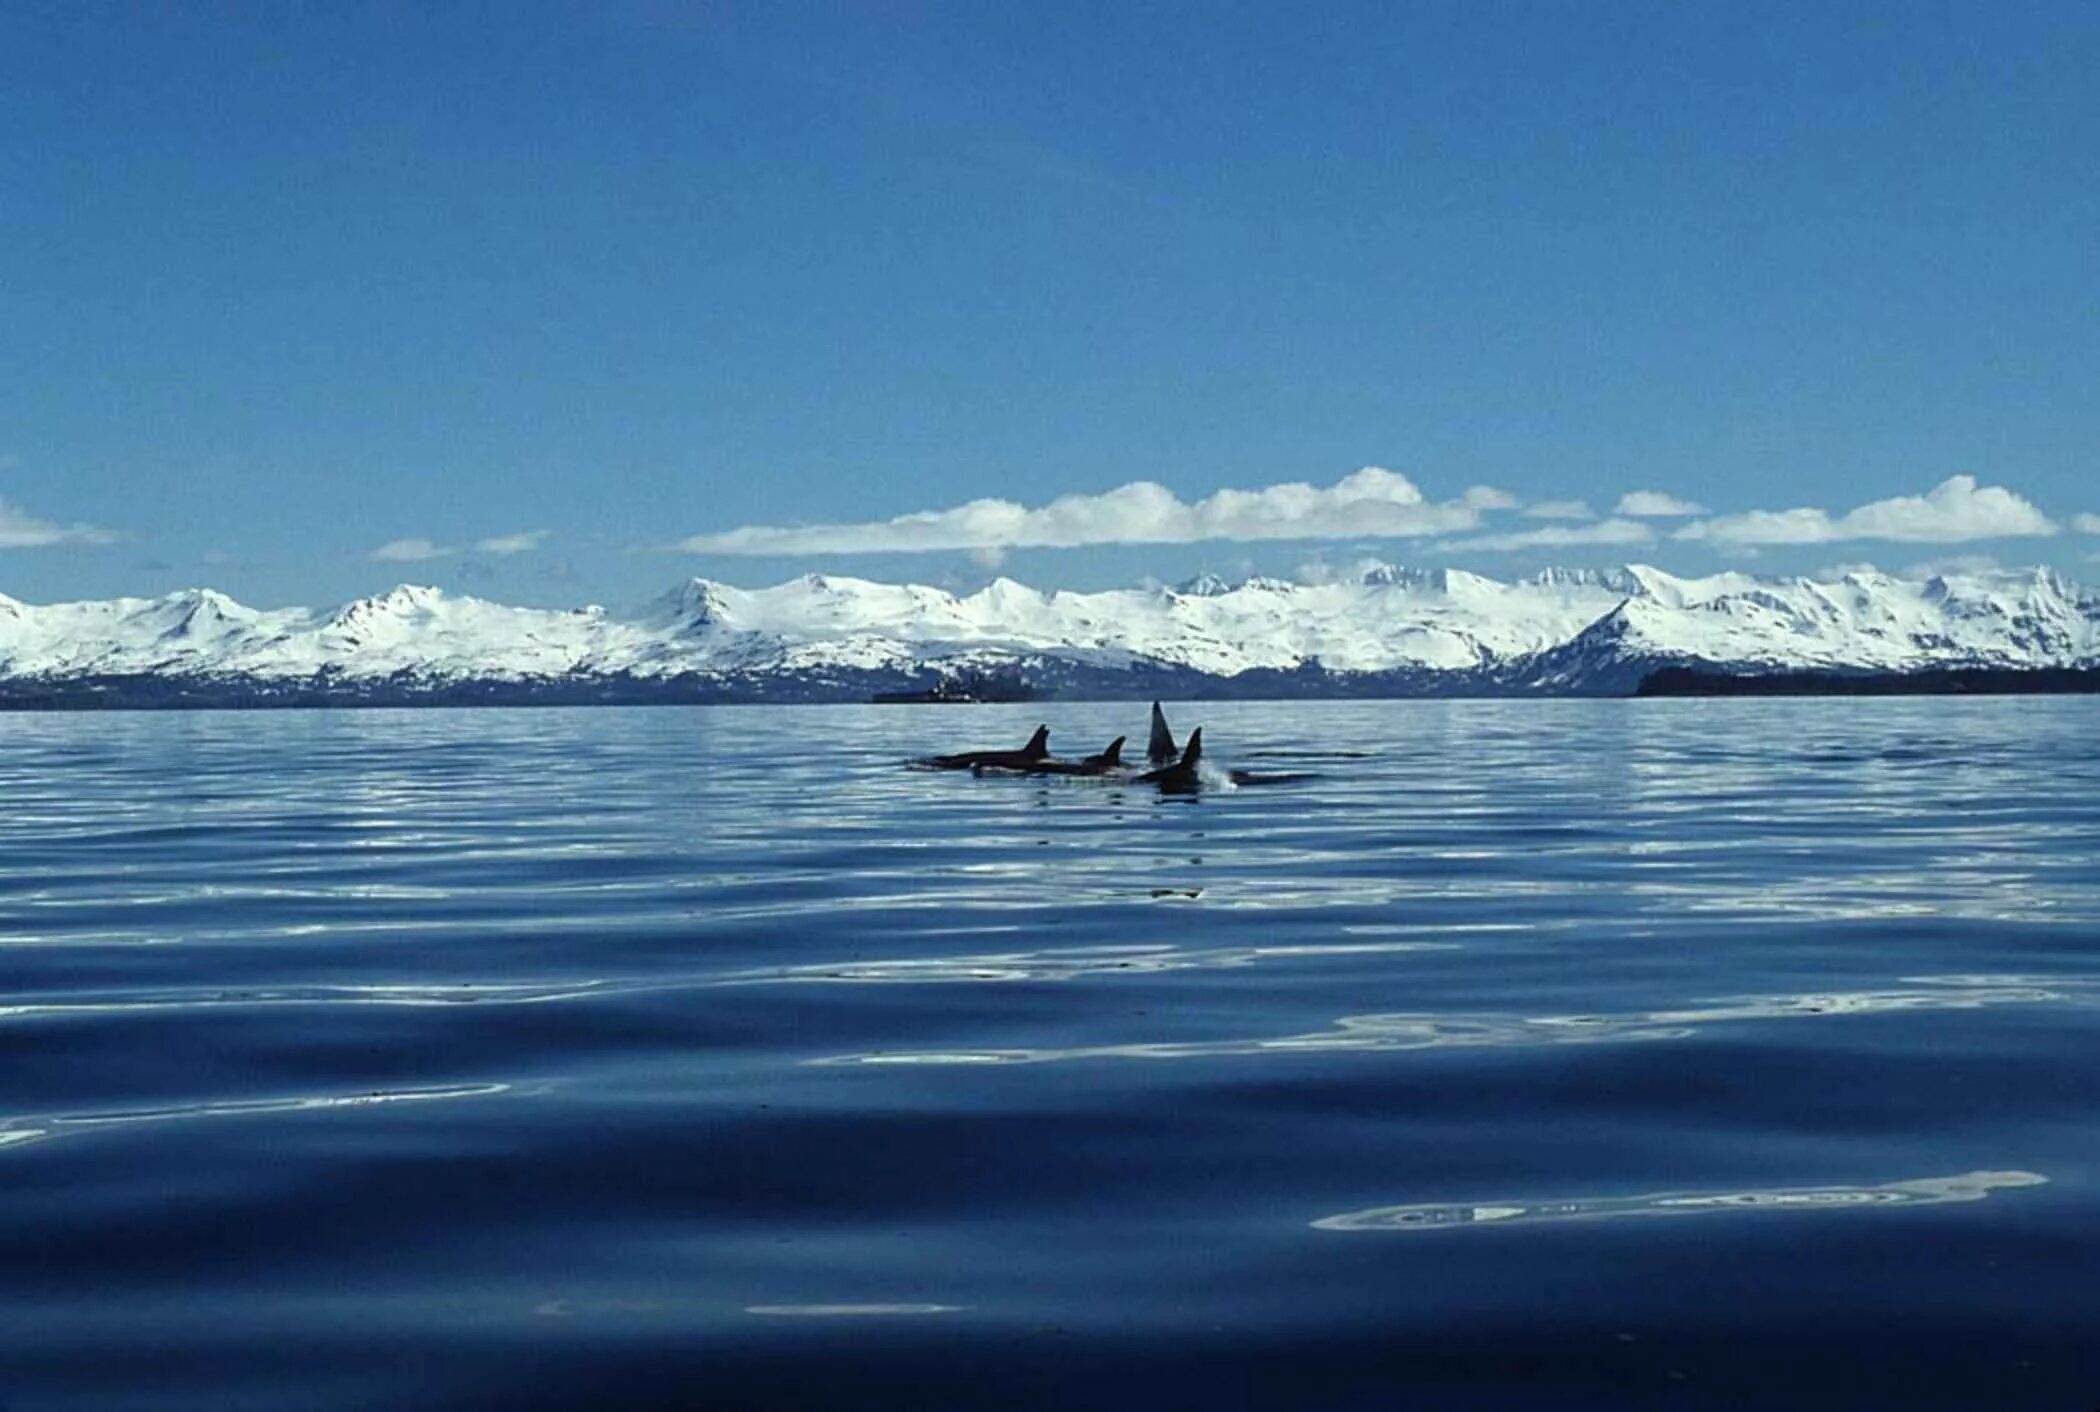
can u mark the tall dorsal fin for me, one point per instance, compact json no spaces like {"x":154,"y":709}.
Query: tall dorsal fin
{"x":1160,"y":749}
{"x":1114,"y":754}
{"x":1190,"y":756}
{"x":1038,"y":744}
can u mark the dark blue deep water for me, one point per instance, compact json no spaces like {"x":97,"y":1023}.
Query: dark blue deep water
{"x":1613,"y":1055}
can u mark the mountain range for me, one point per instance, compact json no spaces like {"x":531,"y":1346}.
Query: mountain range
{"x":1382,"y":631}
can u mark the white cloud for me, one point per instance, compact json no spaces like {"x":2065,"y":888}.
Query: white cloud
{"x":1487,"y":497}
{"x":1831,"y":573}
{"x":521,"y":543}
{"x":1655,"y":502}
{"x":21,"y":530}
{"x":1954,"y":564}
{"x":418,"y":550}
{"x":1317,"y":571}
{"x":1559,"y":510}
{"x":2086,"y":524}
{"x":1560,"y":536}
{"x":1954,"y":511}
{"x":1369,"y":503}
{"x":409,"y":551}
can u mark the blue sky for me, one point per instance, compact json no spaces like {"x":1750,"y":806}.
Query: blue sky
{"x":538,"y":294}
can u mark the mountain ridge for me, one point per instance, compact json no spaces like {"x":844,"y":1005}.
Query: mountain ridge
{"x":1384,"y":629}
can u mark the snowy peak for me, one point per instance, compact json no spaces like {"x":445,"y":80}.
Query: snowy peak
{"x":1557,"y":630}
{"x":404,"y":601}
{"x":203,"y":614}
{"x":696,"y":603}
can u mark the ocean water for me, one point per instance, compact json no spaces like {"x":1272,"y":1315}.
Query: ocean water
{"x":1614,"y":1055}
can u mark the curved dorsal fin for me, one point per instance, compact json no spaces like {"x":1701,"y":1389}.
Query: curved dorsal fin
{"x":1190,"y":756}
{"x":1038,"y":744}
{"x":1160,"y":749}
{"x":1114,"y":754}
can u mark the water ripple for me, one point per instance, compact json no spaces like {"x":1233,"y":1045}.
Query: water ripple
{"x":1918,"y":1191}
{"x":784,"y":1045}
{"x":1389,"y":1032}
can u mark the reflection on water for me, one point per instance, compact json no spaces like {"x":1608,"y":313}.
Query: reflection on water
{"x":847,"y":1311}
{"x":675,"y":1308}
{"x":21,"y":1130}
{"x":1416,"y":1031}
{"x":464,"y":993}
{"x":1921,"y":1191}
{"x":1066,"y":965}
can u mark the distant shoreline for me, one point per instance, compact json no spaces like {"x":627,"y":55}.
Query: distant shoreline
{"x":179,"y":694}
{"x":1948,"y":681}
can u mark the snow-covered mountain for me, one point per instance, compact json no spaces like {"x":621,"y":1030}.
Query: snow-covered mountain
{"x":818,"y":636}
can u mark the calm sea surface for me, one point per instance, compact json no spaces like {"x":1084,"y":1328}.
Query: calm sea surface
{"x":1613,"y":1055}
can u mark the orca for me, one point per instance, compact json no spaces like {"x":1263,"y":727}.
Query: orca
{"x":1181,"y":776}
{"x":1161,"y":750}
{"x":1037,"y":749}
{"x":1108,"y":762}
{"x":1253,"y":777}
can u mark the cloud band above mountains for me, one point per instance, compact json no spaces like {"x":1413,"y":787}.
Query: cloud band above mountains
{"x":1603,"y":532}
{"x":1371,"y":503}
{"x":1953,"y":512}
{"x":1374,"y":503}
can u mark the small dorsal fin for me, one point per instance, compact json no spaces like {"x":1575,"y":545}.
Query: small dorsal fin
{"x":1038,"y":744}
{"x":1114,"y":754}
{"x":1195,"y":748}
{"x":1160,"y":749}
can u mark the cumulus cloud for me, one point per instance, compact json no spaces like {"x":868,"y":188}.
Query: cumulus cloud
{"x":21,"y":530}
{"x":1559,"y":510}
{"x":1657,"y":503}
{"x":521,"y":543}
{"x":2087,"y":524}
{"x":1954,"y":511}
{"x":1560,"y":537}
{"x":409,"y":551}
{"x":1369,"y":503}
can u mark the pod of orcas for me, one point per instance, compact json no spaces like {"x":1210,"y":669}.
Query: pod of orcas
{"x":1176,"y":770}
